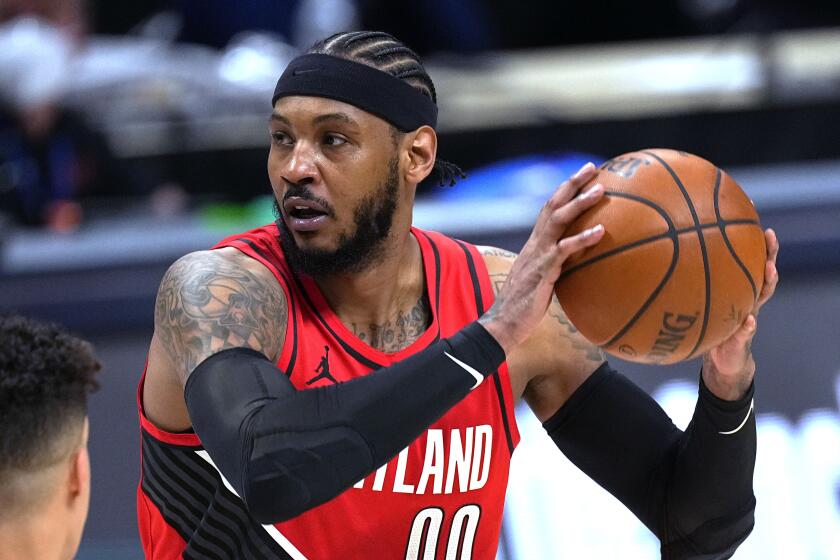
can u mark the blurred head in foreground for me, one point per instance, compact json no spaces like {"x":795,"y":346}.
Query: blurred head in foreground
{"x":45,"y":377}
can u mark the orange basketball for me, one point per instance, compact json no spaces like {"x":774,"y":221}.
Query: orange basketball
{"x":679,"y":267}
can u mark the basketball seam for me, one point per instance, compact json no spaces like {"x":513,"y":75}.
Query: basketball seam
{"x":701,"y":239}
{"x":725,"y":237}
{"x":644,"y":241}
{"x":674,"y":258}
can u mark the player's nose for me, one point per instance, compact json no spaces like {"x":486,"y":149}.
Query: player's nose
{"x":301,"y":166}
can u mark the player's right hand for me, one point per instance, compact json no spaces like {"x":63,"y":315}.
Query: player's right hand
{"x":522,"y":302}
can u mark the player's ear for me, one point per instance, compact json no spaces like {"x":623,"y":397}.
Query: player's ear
{"x":421,"y":152}
{"x":79,"y":483}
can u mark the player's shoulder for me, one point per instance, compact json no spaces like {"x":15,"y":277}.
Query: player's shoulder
{"x":498,"y":260}
{"x":490,"y":252}
{"x":217,"y":299}
{"x":226,"y":261}
{"x":225,"y":276}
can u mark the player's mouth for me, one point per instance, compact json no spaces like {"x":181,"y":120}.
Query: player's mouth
{"x":304,"y":215}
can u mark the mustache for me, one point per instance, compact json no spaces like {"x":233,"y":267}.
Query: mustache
{"x":303,"y":192}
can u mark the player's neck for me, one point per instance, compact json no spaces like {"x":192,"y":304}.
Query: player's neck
{"x":373,"y":296}
{"x":34,"y":538}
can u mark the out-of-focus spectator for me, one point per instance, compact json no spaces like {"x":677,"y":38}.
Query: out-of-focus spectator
{"x":215,"y":22}
{"x":49,"y":158}
{"x":68,"y":16}
{"x":300,"y":22}
{"x":462,"y":27}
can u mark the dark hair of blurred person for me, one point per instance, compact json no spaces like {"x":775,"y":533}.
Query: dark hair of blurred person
{"x":49,"y":157}
{"x":45,"y":377}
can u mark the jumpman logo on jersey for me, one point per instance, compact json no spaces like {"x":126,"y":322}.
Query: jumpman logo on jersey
{"x":323,"y":368}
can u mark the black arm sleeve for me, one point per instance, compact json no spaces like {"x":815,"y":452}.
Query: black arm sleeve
{"x":693,"y":489}
{"x":286,"y":451}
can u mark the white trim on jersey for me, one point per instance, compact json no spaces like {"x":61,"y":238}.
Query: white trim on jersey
{"x":272,"y":531}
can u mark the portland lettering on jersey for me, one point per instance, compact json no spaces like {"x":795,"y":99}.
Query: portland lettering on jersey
{"x":453,"y":461}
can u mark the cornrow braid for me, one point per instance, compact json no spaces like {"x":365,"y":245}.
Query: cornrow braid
{"x":385,"y":52}
{"x":381,"y":51}
{"x":355,"y":36}
{"x":396,"y":50}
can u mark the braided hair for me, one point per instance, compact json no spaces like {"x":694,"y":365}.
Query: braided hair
{"x":386,"y":53}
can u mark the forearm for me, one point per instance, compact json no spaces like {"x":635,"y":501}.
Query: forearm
{"x":710,"y":500}
{"x":286,"y":451}
{"x":692,"y":489}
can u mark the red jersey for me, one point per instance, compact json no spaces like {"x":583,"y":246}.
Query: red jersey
{"x":441,"y":498}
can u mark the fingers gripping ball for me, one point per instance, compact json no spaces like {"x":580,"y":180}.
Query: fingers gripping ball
{"x":680,"y":265}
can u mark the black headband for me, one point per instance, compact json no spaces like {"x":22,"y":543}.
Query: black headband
{"x":363,"y":86}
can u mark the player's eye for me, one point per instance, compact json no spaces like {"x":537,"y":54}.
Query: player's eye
{"x":334,"y":140}
{"x":281,"y":138}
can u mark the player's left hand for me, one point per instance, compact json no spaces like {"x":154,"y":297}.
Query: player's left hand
{"x":728,"y":368}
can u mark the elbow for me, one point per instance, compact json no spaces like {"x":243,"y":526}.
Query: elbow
{"x":715,"y":538}
{"x":292,"y":476}
{"x":275,"y":498}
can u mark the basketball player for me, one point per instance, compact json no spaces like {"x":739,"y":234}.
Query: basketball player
{"x":402,"y":449}
{"x":45,"y":377}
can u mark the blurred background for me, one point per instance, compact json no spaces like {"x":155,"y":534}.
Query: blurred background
{"x":133,"y":132}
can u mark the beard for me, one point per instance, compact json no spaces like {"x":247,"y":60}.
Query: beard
{"x":372,"y":218}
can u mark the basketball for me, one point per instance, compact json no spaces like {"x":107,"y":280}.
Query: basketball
{"x":679,"y":267}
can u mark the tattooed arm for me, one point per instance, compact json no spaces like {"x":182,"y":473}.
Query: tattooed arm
{"x":284,"y":450}
{"x":548,"y":367}
{"x":208,"y":301}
